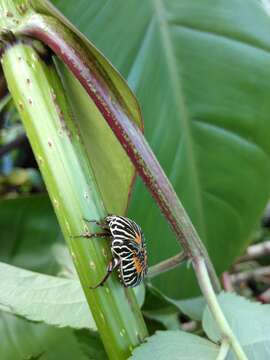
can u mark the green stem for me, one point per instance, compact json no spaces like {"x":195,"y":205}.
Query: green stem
{"x":56,"y":143}
{"x":211,"y":299}
{"x":224,"y":349}
{"x":167,"y":265}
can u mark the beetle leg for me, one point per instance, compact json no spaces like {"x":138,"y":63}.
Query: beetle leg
{"x":99,"y":223}
{"x":87,"y":234}
{"x":95,"y":235}
{"x":113,"y":264}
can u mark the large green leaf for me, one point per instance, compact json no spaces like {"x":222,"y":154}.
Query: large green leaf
{"x":28,"y":230}
{"x":22,"y":340}
{"x":91,"y":345}
{"x":176,"y":345}
{"x":200,"y":72}
{"x":157,"y":301}
{"x":38,"y":297}
{"x":249,"y":322}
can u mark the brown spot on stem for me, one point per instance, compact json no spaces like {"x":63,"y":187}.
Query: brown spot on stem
{"x":61,"y":116}
{"x":9,"y":14}
{"x":22,"y":8}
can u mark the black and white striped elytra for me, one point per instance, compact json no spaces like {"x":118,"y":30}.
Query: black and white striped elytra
{"x":128,"y":245}
{"x":128,"y":250}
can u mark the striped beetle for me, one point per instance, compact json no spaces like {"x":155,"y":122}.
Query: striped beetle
{"x":128,"y":249}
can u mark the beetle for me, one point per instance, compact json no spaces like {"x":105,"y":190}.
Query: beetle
{"x":128,"y":249}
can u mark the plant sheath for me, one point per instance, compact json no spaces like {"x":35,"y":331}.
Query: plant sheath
{"x":55,"y":140}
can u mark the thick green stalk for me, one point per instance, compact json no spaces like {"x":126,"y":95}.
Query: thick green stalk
{"x":39,"y":97}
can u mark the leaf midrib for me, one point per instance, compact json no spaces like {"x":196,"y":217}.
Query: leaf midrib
{"x":182,"y":111}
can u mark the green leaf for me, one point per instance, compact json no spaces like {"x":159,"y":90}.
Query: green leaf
{"x":91,"y":345}
{"x":28,"y":228}
{"x":4,"y":101}
{"x":191,"y":307}
{"x":158,"y":307}
{"x":139,"y":292}
{"x":23,"y":340}
{"x":157,"y":302}
{"x":168,"y":317}
{"x":206,"y":117}
{"x":38,"y":297}
{"x":106,"y":155}
{"x":176,"y":345}
{"x":63,"y":258}
{"x":249,"y":322}
{"x":34,"y":357}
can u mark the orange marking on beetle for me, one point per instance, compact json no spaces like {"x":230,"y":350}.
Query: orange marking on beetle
{"x":138,"y":238}
{"x":137,"y":264}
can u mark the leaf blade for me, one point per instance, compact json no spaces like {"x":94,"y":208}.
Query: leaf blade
{"x":252,"y":334}
{"x":23,"y":340}
{"x":38,"y":297}
{"x":175,"y":345}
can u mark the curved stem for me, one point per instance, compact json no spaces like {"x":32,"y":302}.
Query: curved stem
{"x":214,"y":307}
